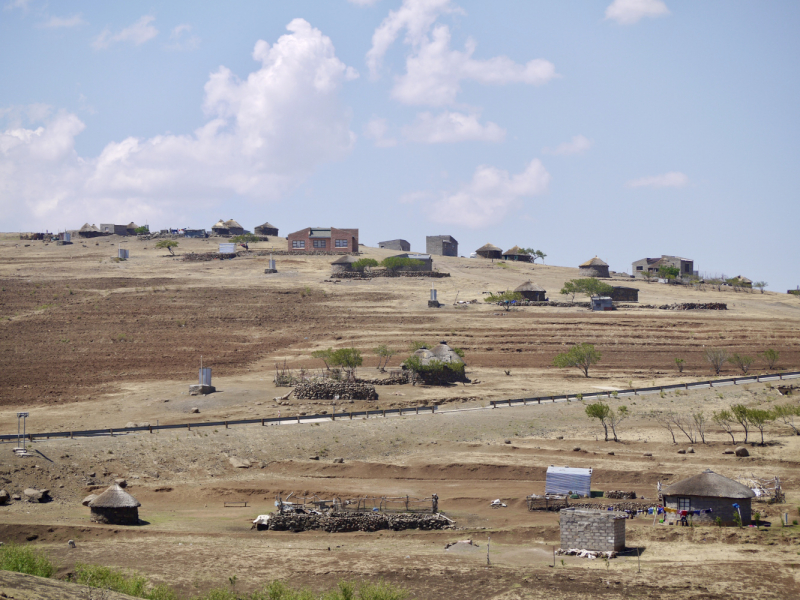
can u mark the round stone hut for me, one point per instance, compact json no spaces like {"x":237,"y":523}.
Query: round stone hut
{"x":489,"y":251}
{"x":115,"y":506}
{"x":594,"y":268}
{"x":531,"y":291}
{"x":516,"y":253}
{"x":707,"y":496}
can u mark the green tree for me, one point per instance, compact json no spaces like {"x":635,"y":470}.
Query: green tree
{"x":168,"y":245}
{"x":742,"y":361}
{"x":716,"y":357}
{"x":505,"y":297}
{"x":787,"y":414}
{"x":760,"y":285}
{"x":680,"y":363}
{"x":581,"y":356}
{"x":601,"y":412}
{"x":245,"y":238}
{"x":363,"y":263}
{"x":591,"y":286}
{"x":742,"y":417}
{"x":569,"y":289}
{"x":758,"y":418}
{"x":771,"y":357}
{"x":617,"y":417}
{"x":727,"y":421}
{"x":384,"y":354}
{"x":326,"y":356}
{"x":144,"y":229}
{"x":347,"y":358}
{"x":648,"y":275}
{"x":396,"y":262}
{"x":668,"y":272}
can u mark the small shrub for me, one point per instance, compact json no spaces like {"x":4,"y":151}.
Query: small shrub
{"x":718,"y":521}
{"x":397,"y":262}
{"x":737,"y":519}
{"x":363,"y":263}
{"x":757,"y":518}
{"x":24,"y":559}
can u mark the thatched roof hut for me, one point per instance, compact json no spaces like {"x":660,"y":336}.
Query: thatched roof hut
{"x":343,"y":263}
{"x":266,"y":229}
{"x":88,"y":499}
{"x":115,"y":506}
{"x":89,"y":231}
{"x":229,"y":227}
{"x":707,"y":496}
{"x":594,"y":267}
{"x":489,"y":251}
{"x":516,"y":253}
{"x":531,"y":291}
{"x":441,"y":353}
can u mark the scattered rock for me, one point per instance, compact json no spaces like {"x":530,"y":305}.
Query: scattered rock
{"x":560,"y":437}
{"x":338,"y":461}
{"x":121,"y":483}
{"x":194,"y":410}
{"x":16,"y":497}
{"x":690,"y":450}
{"x":611,"y":454}
{"x":71,"y":543}
{"x":506,"y":441}
{"x":647,"y":454}
{"x":727,"y":452}
{"x":4,"y":497}
{"x":32,"y":495}
{"x":313,"y":458}
{"x":681,"y":451}
{"x":92,"y":474}
{"x":576,"y":449}
{"x":239,"y":463}
{"x":742,"y":451}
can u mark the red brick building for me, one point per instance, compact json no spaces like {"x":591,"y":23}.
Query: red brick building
{"x":324,"y":239}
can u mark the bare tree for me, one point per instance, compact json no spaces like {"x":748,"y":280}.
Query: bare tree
{"x":741,"y":415}
{"x":617,"y":417}
{"x":742,"y":361}
{"x":686,"y":425}
{"x":700,"y":423}
{"x":725,"y":419}
{"x":771,"y":357}
{"x":665,"y":420}
{"x":716,"y":357}
{"x":787,"y":414}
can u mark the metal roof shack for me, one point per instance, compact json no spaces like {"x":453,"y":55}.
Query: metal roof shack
{"x":565,"y":480}
{"x":398,"y":244}
{"x":601,"y":303}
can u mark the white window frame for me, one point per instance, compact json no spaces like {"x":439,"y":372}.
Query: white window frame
{"x":320,"y":243}
{"x":343,"y":244}
{"x":298,"y":244}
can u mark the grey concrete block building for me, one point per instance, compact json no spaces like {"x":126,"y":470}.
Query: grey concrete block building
{"x":598,"y":530}
{"x":651,"y":265}
{"x":401,"y":245}
{"x":441,"y":245}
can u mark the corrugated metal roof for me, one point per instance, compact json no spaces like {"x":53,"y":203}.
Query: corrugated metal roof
{"x":562,"y":480}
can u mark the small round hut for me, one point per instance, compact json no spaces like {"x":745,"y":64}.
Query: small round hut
{"x":441,"y":353}
{"x":89,"y":231}
{"x":594,"y":268}
{"x":115,"y":506}
{"x":343,"y":264}
{"x":489,"y":251}
{"x":516,"y":253}
{"x":707,"y":496}
{"x":531,"y":291}
{"x":266,"y":229}
{"x":131,"y":228}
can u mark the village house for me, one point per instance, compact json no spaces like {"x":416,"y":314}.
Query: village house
{"x":115,"y":506}
{"x":594,"y":267}
{"x":229,"y":227}
{"x":425,"y":259}
{"x":324,"y":239}
{"x":441,"y":245}
{"x":652,"y":265}
{"x":624,"y":294}
{"x":401,"y":245}
{"x":111,"y":229}
{"x":489,"y":251}
{"x":516,"y":253}
{"x":706,"y":497}
{"x":266,"y":229}
{"x":531,"y":291}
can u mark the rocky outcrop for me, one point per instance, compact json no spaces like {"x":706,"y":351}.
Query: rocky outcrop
{"x":4,"y":497}
{"x":742,"y":451}
{"x":32,"y":495}
{"x":327,"y":390}
{"x":342,"y":522}
{"x":620,"y":495}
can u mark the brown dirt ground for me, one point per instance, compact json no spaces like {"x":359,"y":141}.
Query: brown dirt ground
{"x":89,"y":342}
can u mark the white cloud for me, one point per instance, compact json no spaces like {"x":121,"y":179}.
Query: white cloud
{"x":577,"y":145}
{"x":182,"y":39}
{"x":376,"y":130}
{"x":140,"y":32}
{"x":490,"y":196}
{"x":628,"y":12}
{"x":263,"y":136}
{"x":21,"y":4}
{"x":363,"y":2}
{"x":672,"y":179}
{"x":62,"y":22}
{"x":449,"y":127}
{"x":434,"y":71}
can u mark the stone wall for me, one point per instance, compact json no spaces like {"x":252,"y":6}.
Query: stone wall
{"x":592,"y":530}
{"x":393,"y":379}
{"x":344,"y":521}
{"x":326,"y":390}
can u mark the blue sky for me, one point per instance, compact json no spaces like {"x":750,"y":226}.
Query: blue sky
{"x":618,"y":128}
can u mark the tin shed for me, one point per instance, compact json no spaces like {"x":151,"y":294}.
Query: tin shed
{"x":563,"y":480}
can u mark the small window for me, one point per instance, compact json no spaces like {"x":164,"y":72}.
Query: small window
{"x":639,"y":268}
{"x":343,"y":244}
{"x":298,"y":243}
{"x":684,"y":504}
{"x":319,"y":243}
